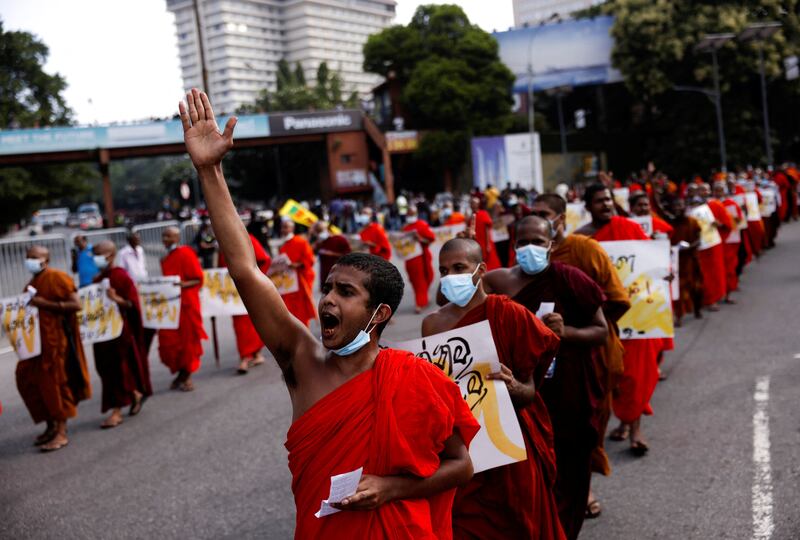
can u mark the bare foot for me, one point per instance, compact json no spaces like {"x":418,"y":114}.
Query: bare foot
{"x":417,"y":309}
{"x":620,"y":433}
{"x":138,"y":401}
{"x":112,"y":421}
{"x":244,"y":364}
{"x":257,"y":360}
{"x":593,"y":508}
{"x":186,"y":386}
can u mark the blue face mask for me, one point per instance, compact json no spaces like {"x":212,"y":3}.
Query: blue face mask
{"x":360,"y":340}
{"x":533,"y":259}
{"x":459,"y":288}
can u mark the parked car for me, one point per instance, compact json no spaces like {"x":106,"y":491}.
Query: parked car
{"x":89,"y":216}
{"x":47,"y":218}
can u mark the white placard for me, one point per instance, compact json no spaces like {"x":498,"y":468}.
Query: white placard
{"x":21,"y":324}
{"x":645,"y":222}
{"x":405,"y":245}
{"x":675,"y":266}
{"x":752,"y":206}
{"x":99,"y":318}
{"x":709,"y":236}
{"x":160,"y":299}
{"x":621,"y":196}
{"x":467,"y":355}
{"x":577,"y":217}
{"x":218,"y":295}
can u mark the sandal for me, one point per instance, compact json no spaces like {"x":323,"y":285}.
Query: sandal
{"x":108,"y":424}
{"x":621,"y":433}
{"x":50,"y":447}
{"x":243,"y":365}
{"x":136,"y":407}
{"x":44,"y":438}
{"x":256,"y":361}
{"x":593,"y":510}
{"x":176,"y":383}
{"x":639,"y":448}
{"x":186,"y":386}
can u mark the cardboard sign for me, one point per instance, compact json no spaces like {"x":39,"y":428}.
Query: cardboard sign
{"x":447,"y":232}
{"x":405,"y":245}
{"x":21,"y":324}
{"x":219,"y":296}
{"x":467,"y":355}
{"x":675,"y":266}
{"x":769,"y":202}
{"x":160,"y":299}
{"x":285,"y":281}
{"x":709,"y":236}
{"x":577,"y":217}
{"x":752,"y":206}
{"x":735,"y":236}
{"x":642,"y":266}
{"x":621,"y":196}
{"x":99,"y":318}
{"x":645,"y":222}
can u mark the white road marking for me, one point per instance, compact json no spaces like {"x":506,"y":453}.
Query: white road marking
{"x":763,"y":525}
{"x":797,"y":356}
{"x":5,"y":350}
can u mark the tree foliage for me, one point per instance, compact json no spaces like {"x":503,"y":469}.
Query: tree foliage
{"x":30,"y":97}
{"x":654,"y":49}
{"x":451,"y":77}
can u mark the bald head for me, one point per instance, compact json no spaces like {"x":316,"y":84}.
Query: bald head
{"x":38,"y":252}
{"x":470,"y":249}
{"x":106,"y":248}
{"x":533,"y":230}
{"x":171,"y":237}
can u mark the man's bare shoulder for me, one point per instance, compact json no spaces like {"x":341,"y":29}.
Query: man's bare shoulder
{"x":499,"y":281}
{"x":586,"y":230}
{"x":440,"y":320}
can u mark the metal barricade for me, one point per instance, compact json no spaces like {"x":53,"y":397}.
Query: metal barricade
{"x":13,"y":275}
{"x":118,"y":235}
{"x":150,"y":235}
{"x":189,"y":230}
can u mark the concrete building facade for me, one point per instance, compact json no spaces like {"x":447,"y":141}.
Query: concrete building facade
{"x":243,"y":40}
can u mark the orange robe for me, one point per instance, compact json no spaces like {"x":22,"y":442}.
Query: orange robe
{"x":587,"y":255}
{"x":483,"y":221}
{"x":638,"y":382}
{"x":661,"y":226}
{"x":420,"y":269}
{"x":181,"y":349}
{"x":455,"y":218}
{"x":516,"y":500}
{"x":712,"y":260}
{"x":375,"y":233}
{"x":687,"y":229}
{"x":52,"y":384}
{"x":392,"y":419}
{"x":248,"y":342}
{"x":575,"y":393}
{"x":732,"y":245}
{"x":301,"y":303}
{"x":122,"y":363}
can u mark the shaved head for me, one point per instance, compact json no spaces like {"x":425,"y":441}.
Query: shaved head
{"x":470,"y":248}
{"x":38,"y":252}
{"x":171,"y":236}
{"x":106,"y":247}
{"x":537,"y":223}
{"x":555,"y":202}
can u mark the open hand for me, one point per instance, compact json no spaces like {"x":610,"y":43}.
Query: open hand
{"x":372,"y":492}
{"x":205,"y":144}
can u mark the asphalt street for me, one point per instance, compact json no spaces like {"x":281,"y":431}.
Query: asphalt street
{"x":211,"y":464}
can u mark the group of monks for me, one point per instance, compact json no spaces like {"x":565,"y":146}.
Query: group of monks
{"x":398,"y":419}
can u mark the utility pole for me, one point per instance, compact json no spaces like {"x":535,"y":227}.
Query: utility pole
{"x":712,"y":43}
{"x":198,"y":28}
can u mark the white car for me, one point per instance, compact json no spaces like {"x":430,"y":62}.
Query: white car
{"x":89,"y":216}
{"x":47,"y":218}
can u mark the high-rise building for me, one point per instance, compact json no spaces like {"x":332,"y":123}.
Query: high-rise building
{"x":532,"y":12}
{"x":243,"y":40}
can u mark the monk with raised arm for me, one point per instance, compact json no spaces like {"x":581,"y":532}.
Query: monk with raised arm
{"x":573,"y":392}
{"x":353,"y":404}
{"x":515,"y":500}
{"x":53,"y":383}
{"x":181,"y":349}
{"x":588,"y":256}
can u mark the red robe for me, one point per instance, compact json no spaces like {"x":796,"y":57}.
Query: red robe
{"x":638,"y":381}
{"x":301,"y":303}
{"x":377,"y":235}
{"x":420,"y":269}
{"x":392,"y":419}
{"x":248,"y":342}
{"x":574,"y":395}
{"x":181,"y":349}
{"x":732,"y":245}
{"x":516,"y":500}
{"x":122,"y":363}
{"x":712,"y":260}
{"x":484,"y":238}
{"x":336,"y":244}
{"x":661,"y":226}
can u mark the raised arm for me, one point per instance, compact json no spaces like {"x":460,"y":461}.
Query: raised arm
{"x":282,"y":333}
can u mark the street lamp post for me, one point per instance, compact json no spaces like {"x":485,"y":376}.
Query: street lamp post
{"x":760,"y":32}
{"x":711,"y":43}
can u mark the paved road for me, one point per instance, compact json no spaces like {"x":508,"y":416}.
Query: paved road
{"x":211,"y":464}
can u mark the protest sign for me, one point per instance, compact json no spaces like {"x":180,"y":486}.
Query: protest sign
{"x":709,"y":235}
{"x":769,"y":202}
{"x":405,"y":245}
{"x":21,"y":324}
{"x":447,"y":232}
{"x":99,"y":319}
{"x":752,"y":206}
{"x":675,"y":265}
{"x":642,"y":266}
{"x":160,"y":299}
{"x":735,"y":236}
{"x":621,"y":196}
{"x":218,"y":295}
{"x":645,"y":222}
{"x":467,"y":355}
{"x":500,"y":228}
{"x":577,"y":217}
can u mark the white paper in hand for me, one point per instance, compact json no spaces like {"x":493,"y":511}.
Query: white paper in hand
{"x":545,"y":308}
{"x":342,"y":486}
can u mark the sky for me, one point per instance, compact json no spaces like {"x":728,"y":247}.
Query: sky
{"x":120,"y":57}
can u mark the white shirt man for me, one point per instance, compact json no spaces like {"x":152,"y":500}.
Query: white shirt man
{"x":132,"y":260}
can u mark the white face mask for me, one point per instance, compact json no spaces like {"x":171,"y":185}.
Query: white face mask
{"x":411,"y":219}
{"x":100,"y":262}
{"x":323,"y":236}
{"x":34,"y":266}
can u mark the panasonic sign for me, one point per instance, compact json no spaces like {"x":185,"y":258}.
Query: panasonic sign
{"x":290,"y":124}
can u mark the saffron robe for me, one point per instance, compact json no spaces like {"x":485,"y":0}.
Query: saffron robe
{"x":301,"y":303}
{"x":515,"y":500}
{"x":248,"y":342}
{"x":712,"y":260}
{"x":574,"y":394}
{"x":420,"y":269}
{"x":391,"y":419}
{"x":483,"y":235}
{"x":181,"y":349}
{"x":122,"y":362}
{"x":639,"y":379}
{"x":687,"y":229}
{"x":52,"y":384}
{"x":456,"y":218}
{"x":587,"y":255}
{"x":732,"y":245}
{"x":661,"y":226}
{"x":376,"y":234}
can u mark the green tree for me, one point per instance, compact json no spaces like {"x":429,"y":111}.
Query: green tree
{"x":654,"y":50}
{"x":30,"y":97}
{"x":452,"y":81}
